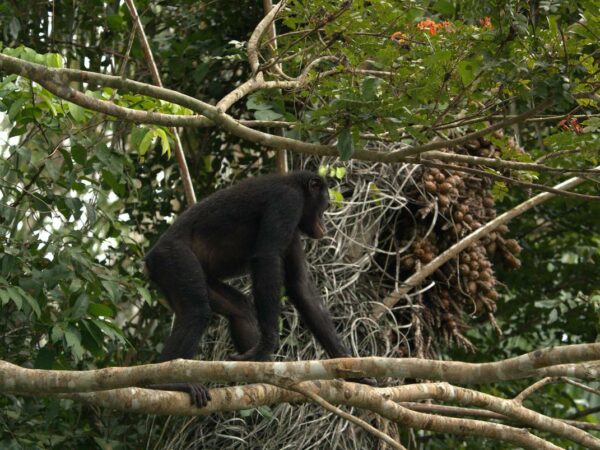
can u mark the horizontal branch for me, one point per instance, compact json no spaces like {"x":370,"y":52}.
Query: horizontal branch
{"x":17,"y":379}
{"x":379,"y":400}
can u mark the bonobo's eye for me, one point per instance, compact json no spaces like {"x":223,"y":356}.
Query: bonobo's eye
{"x":315,"y":185}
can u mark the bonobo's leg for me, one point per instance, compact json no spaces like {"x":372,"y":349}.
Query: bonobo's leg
{"x":178,"y":274}
{"x":239,"y":311}
{"x":277,"y":227}
{"x":303,"y":294}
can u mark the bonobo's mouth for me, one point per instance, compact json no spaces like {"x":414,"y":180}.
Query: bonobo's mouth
{"x":319,"y":230}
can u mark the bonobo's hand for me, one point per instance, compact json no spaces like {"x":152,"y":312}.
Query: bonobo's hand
{"x":256,"y":353}
{"x":199,"y":395}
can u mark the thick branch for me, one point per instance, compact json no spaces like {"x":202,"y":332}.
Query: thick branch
{"x":378,"y":400}
{"x":17,"y":379}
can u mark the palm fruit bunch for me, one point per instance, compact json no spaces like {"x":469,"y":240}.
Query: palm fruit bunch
{"x":444,"y":207}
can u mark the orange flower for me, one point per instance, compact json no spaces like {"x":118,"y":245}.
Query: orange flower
{"x":448,"y":26}
{"x":575,"y":125}
{"x":429,"y":25}
{"x":570,"y":124}
{"x":486,"y":22}
{"x":399,"y":37}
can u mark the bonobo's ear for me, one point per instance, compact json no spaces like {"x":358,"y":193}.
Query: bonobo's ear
{"x":315,"y":185}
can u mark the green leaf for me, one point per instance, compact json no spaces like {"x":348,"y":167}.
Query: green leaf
{"x":371,"y":88}
{"x":53,"y":168}
{"x":73,"y":339}
{"x":16,"y":107}
{"x":345,"y":144}
{"x":57,"y":333}
{"x":444,"y":7}
{"x":164,"y":141}
{"x":145,"y":294}
{"x":340,"y":172}
{"x":81,"y":306}
{"x":14,"y":295}
{"x":336,"y":197}
{"x":76,"y":111}
{"x":146,"y":141}
{"x":267,"y":114}
{"x":466,"y":69}
{"x":4,"y":297}
{"x":79,"y":154}
{"x":110,"y":330}
{"x":256,"y":102}
{"x":54,"y":60}
{"x":100,"y":310}
{"x":33,"y":304}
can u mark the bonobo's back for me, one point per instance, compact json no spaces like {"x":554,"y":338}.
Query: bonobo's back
{"x":239,"y":204}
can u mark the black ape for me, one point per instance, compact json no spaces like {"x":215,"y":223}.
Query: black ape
{"x":253,"y":227}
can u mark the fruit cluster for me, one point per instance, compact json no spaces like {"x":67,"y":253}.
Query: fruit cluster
{"x":460,"y":203}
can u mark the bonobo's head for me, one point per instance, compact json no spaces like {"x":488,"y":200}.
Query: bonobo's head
{"x":316,"y":201}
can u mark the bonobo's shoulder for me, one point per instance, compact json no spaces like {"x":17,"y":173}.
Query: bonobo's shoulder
{"x":262,"y":188}
{"x":297,"y":178}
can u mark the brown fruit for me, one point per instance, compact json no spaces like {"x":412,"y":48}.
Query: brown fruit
{"x":445,"y":188}
{"x":511,"y":261}
{"x":427,"y":257}
{"x":485,"y":275}
{"x":443,"y":200}
{"x":472,"y":287}
{"x":491,"y":248}
{"x":492,"y":294}
{"x":502,"y":229}
{"x":513,"y":246}
{"x":430,"y":186}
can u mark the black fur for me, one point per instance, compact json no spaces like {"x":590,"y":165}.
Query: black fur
{"x":252,"y":227}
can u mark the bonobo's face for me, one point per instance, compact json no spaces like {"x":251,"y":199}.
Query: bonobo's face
{"x":315,"y":204}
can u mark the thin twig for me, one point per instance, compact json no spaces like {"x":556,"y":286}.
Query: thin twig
{"x":186,"y":179}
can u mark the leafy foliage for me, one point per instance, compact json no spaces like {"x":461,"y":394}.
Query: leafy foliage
{"x":83,"y":196}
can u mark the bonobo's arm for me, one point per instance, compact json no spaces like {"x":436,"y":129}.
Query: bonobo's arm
{"x":303,"y":293}
{"x":278,"y":225}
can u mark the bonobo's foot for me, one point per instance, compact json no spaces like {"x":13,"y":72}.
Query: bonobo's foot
{"x":256,"y":353}
{"x":199,"y":395}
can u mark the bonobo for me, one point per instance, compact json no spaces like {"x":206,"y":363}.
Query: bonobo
{"x":252,"y":227}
